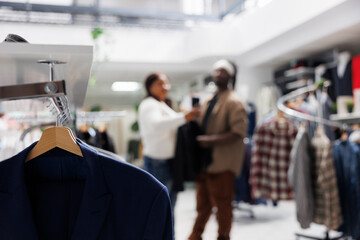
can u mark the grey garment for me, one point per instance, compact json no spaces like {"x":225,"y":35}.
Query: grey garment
{"x":299,"y":175}
{"x":326,"y":103}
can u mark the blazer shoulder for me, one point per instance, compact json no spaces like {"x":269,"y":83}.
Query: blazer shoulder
{"x":124,"y":175}
{"x":235,"y":101}
{"x":9,"y":164}
{"x":233,"y":96}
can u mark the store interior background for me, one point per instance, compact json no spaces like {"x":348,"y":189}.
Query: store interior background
{"x":183,"y":38}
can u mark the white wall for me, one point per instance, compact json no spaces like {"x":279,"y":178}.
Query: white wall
{"x":120,"y":131}
{"x":249,"y":81}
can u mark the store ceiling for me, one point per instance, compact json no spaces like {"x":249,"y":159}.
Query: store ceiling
{"x":149,"y":13}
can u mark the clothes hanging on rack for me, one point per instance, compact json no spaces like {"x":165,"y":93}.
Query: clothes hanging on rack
{"x":323,"y":178}
{"x":106,"y":141}
{"x":300,"y":176}
{"x":347,"y":163}
{"x":242,"y":186}
{"x":62,"y":196}
{"x":251,"y":114}
{"x":312,"y":176}
{"x":96,"y":138}
{"x":326,"y":105}
{"x":326,"y":197}
{"x":341,"y":85}
{"x":266,"y":100}
{"x":270,"y":160}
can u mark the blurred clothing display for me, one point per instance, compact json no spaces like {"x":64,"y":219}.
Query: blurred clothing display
{"x":272,"y":143}
{"x":300,"y":177}
{"x":326,"y":197}
{"x":266,"y":99}
{"x":347,"y":164}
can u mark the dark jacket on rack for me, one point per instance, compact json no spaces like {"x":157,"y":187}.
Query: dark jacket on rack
{"x":61,"y":196}
{"x":341,"y":86}
{"x":347,"y":163}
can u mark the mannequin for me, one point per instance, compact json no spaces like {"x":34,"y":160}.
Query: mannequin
{"x":343,"y":60}
{"x":343,"y":81}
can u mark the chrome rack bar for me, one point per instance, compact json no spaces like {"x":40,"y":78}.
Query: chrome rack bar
{"x":299,"y":92}
{"x":33,"y":90}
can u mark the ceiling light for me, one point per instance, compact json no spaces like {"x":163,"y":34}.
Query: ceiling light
{"x":125,"y":86}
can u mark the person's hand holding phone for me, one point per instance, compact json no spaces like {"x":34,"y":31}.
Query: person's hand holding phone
{"x":195,"y":101}
{"x":195,"y":111}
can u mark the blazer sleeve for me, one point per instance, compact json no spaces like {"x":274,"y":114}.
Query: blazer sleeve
{"x":238,"y":120}
{"x":159,"y":224}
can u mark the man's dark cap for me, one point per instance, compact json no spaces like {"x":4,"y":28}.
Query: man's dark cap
{"x":15,"y":38}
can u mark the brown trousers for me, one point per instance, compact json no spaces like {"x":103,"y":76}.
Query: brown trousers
{"x":214,"y":190}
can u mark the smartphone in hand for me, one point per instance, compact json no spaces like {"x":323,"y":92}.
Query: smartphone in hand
{"x":195,"y":101}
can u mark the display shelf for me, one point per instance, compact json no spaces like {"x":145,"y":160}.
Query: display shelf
{"x":300,"y":71}
{"x":23,"y":63}
{"x":347,"y":118}
{"x":99,"y":116}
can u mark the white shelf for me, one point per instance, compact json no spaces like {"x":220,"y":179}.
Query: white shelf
{"x":19,"y":65}
{"x":300,"y":71}
{"x":348,"y":118}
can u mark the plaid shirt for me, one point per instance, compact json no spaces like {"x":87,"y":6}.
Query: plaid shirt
{"x":270,"y":160}
{"x":327,"y":204}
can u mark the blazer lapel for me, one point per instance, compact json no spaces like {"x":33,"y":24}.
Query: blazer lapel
{"x":95,"y":201}
{"x":16,"y":220}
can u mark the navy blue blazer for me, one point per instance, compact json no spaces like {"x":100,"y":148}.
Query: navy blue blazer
{"x":114,"y":199}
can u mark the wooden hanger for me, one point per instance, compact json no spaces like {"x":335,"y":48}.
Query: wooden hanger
{"x":61,"y":137}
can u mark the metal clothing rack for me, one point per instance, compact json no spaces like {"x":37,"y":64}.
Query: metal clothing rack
{"x":327,"y":237}
{"x":23,"y":63}
{"x":54,"y":90}
{"x":83,"y":116}
{"x":237,"y":206}
{"x":281,"y":106}
{"x":300,"y":92}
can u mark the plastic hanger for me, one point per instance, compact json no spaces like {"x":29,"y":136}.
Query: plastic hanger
{"x":61,"y":137}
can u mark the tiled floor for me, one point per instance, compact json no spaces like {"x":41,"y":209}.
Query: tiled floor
{"x":270,"y":223}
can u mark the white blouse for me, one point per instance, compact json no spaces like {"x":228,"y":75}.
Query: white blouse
{"x":158,"y":125}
